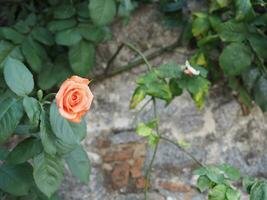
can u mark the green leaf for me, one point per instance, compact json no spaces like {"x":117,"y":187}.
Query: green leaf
{"x":46,"y":135}
{"x":259,"y":191}
{"x":138,"y":95}
{"x":218,"y":192}
{"x":22,"y":27}
{"x":203,"y":183}
{"x":31,"y":19}
{"x":60,"y":25}
{"x":23,"y":130}
{"x":250,"y":77}
{"x":259,"y":44}
{"x":214,"y":174}
{"x":32,"y":109}
{"x":153,"y":139}
{"x":218,"y":4}
{"x":210,"y":39}
{"x":64,"y":12}
{"x":174,"y":87}
{"x":68,"y":37}
{"x":159,"y":90}
{"x":244,"y":10}
{"x":169,"y":70}
{"x":18,"y":78}
{"x":144,"y":130}
{"x":235,"y":59}
{"x":79,"y":164}
{"x":42,"y":35}
{"x":231,"y":31}
{"x":68,"y":132}
{"x":126,"y":7}
{"x":82,"y":58}
{"x":215,"y":22}
{"x":12,"y":35}
{"x":147,"y":78}
{"x":260,"y":93}
{"x":31,"y":55}
{"x":232,"y":194}
{"x":102,"y":12}
{"x":83,"y":10}
{"x":64,"y":148}
{"x":200,"y":171}
{"x":230,"y":172}
{"x":197,"y":86}
{"x":92,"y":33}
{"x":11,"y":112}
{"x":200,"y":25}
{"x":242,"y":92}
{"x":247,"y":183}
{"x":54,"y":74}
{"x":48,"y":173}
{"x":5,"y":49}
{"x":24,"y":151}
{"x":16,"y":179}
{"x":3,"y":153}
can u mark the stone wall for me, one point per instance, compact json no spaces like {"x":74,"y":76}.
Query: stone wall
{"x":218,"y":133}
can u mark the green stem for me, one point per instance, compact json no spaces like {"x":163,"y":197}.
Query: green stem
{"x":140,"y":53}
{"x":139,"y":61}
{"x":109,"y":64}
{"x":183,"y":150}
{"x":148,"y":171}
{"x":140,"y":110}
{"x":49,"y":96}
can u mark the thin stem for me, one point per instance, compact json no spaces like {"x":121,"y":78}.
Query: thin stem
{"x":148,"y":171}
{"x":110,"y":62}
{"x":140,"y":61}
{"x":183,"y":150}
{"x":141,"y":109}
{"x":155,"y":114}
{"x":49,"y":96}
{"x":140,"y":53}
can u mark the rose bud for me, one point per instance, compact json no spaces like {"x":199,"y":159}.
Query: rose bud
{"x":189,"y":70}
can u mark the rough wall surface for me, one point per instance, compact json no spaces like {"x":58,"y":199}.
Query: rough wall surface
{"x":218,"y":133}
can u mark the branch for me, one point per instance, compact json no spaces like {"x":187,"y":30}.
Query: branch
{"x":183,"y":150}
{"x":109,"y":64}
{"x":139,"y":61}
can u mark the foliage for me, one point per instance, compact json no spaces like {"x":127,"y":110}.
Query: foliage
{"x":218,"y":180}
{"x":34,"y":168}
{"x":43,"y":34}
{"x":231,"y":39}
{"x":35,"y":40}
{"x":230,"y":42}
{"x":168,"y":81}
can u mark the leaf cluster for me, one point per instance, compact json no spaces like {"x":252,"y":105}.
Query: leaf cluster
{"x":231,"y":43}
{"x":168,"y":81}
{"x":34,"y":168}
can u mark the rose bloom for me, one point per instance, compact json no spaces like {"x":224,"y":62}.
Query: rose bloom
{"x":74,"y":98}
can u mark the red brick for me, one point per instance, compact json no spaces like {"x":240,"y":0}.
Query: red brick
{"x":140,"y":183}
{"x":136,"y":169}
{"x":120,"y":175}
{"x":174,"y":186}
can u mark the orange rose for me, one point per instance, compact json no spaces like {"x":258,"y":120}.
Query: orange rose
{"x":74,"y":98}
